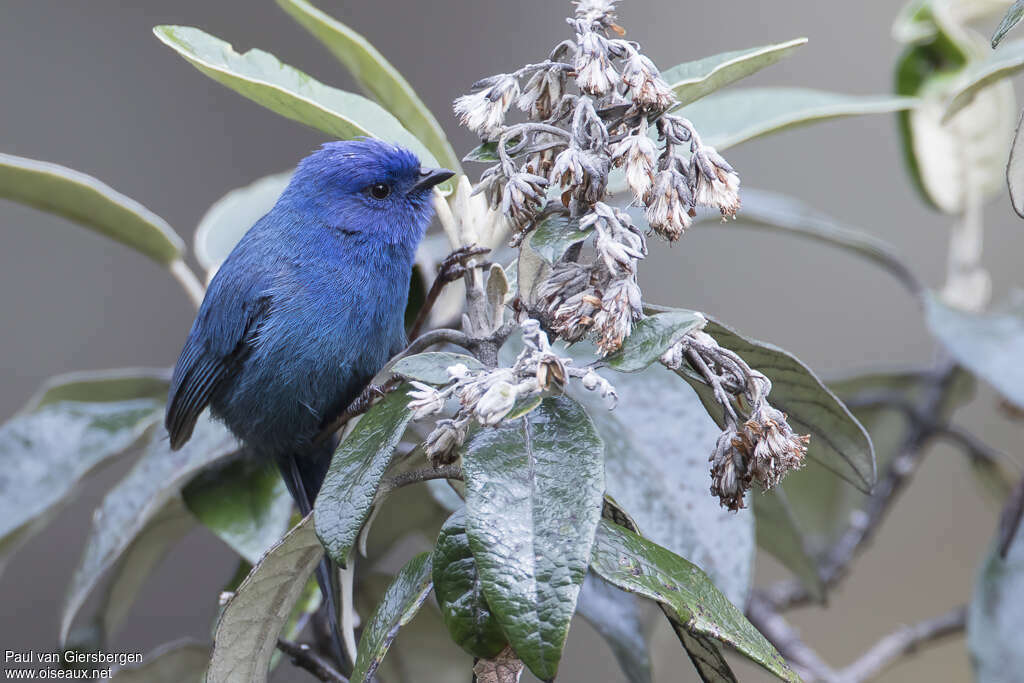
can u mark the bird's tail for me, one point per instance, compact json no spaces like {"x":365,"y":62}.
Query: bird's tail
{"x":304,"y":474}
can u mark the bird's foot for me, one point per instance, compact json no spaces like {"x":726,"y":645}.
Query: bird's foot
{"x":455,"y":265}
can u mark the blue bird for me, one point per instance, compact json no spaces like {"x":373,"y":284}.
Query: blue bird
{"x":305,"y":310}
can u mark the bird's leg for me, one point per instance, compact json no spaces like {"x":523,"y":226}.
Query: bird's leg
{"x":451,"y":269}
{"x":359,"y":405}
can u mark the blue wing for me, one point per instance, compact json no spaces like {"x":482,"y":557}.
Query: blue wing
{"x":221,"y":336}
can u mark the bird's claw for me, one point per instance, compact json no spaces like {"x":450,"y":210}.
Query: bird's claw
{"x":455,"y":265}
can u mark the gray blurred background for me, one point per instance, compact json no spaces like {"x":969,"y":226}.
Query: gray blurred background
{"x":85,"y":84}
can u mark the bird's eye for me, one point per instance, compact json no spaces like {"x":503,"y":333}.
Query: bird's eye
{"x":380,"y":190}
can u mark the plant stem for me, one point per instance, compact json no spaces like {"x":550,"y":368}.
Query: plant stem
{"x":303,"y":657}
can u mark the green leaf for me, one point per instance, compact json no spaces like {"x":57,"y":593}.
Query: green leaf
{"x":639,"y":566}
{"x":91,"y":203}
{"x":247,"y":631}
{"x":459,"y":593}
{"x":50,"y":447}
{"x":779,"y":533}
{"x":726,"y":119}
{"x":399,"y":605}
{"x":432,"y":367}
{"x":137,"y":562}
{"x":1012,"y":18}
{"x":347,"y":494}
{"x":531,"y":271}
{"x":231,"y":216}
{"x":657,"y":442}
{"x":984,"y":72}
{"x":773,"y":211}
{"x":555,"y":235}
{"x":377,"y":76}
{"x":988,"y":344}
{"x":486,"y":152}
{"x":995,"y":620}
{"x":102,"y":386}
{"x":262,"y":78}
{"x":620,"y":618}
{"x":533,"y":498}
{"x":651,"y":337}
{"x":838,"y":441}
{"x":244,"y":502}
{"x":182,"y":661}
{"x":691,"y":81}
{"x":128,"y":507}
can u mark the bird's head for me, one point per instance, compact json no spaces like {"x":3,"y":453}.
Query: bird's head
{"x":368,"y":187}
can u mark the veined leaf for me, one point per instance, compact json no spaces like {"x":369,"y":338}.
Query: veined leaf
{"x":126,"y":509}
{"x":533,"y":498}
{"x":727,"y":118}
{"x":231,"y":216}
{"x":1012,"y":18}
{"x":459,"y":592}
{"x":377,"y":76}
{"x":622,"y":620}
{"x":555,"y":235}
{"x":651,"y":337}
{"x":635,"y":564}
{"x":261,"y":77}
{"x":347,"y":494}
{"x":399,"y":605}
{"x":432,"y":367}
{"x":48,"y":448}
{"x":691,"y":81}
{"x":244,"y":502}
{"x":988,"y":344}
{"x":838,"y":441}
{"x":182,"y":661}
{"x":995,"y":620}
{"x":248,"y":629}
{"x":91,"y":203}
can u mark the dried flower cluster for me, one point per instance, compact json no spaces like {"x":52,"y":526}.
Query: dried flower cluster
{"x":489,"y":396}
{"x":572,"y":139}
{"x":757,"y":444}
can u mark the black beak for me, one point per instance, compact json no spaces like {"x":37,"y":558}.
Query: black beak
{"x":429,"y":177}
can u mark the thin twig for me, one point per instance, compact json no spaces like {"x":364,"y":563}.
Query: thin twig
{"x":787,"y":641}
{"x":304,"y":657}
{"x":1010,"y":520}
{"x":902,"y":642}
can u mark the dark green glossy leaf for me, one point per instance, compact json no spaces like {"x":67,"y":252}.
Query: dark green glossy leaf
{"x":89,"y":202}
{"x":432,"y":367}
{"x":247,"y":632}
{"x":623,"y":621}
{"x":838,"y":441}
{"x":555,"y":234}
{"x":262,"y":78}
{"x":640,"y":566}
{"x":779,"y":532}
{"x":774,"y":211}
{"x":460,"y":595}
{"x":533,"y":498}
{"x":182,"y":661}
{"x":129,"y":506}
{"x":651,"y":337}
{"x":691,"y":81}
{"x":657,"y":442}
{"x":486,"y":152}
{"x":231,"y":216}
{"x":347,"y":494}
{"x":728,"y":118}
{"x":991,"y":345}
{"x":1012,"y":18}
{"x":50,"y":447}
{"x":376,"y":75}
{"x":244,"y":502}
{"x":995,"y":620}
{"x":399,"y":605}
{"x":137,"y":562}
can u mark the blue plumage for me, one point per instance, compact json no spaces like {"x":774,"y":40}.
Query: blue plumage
{"x":307,"y":307}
